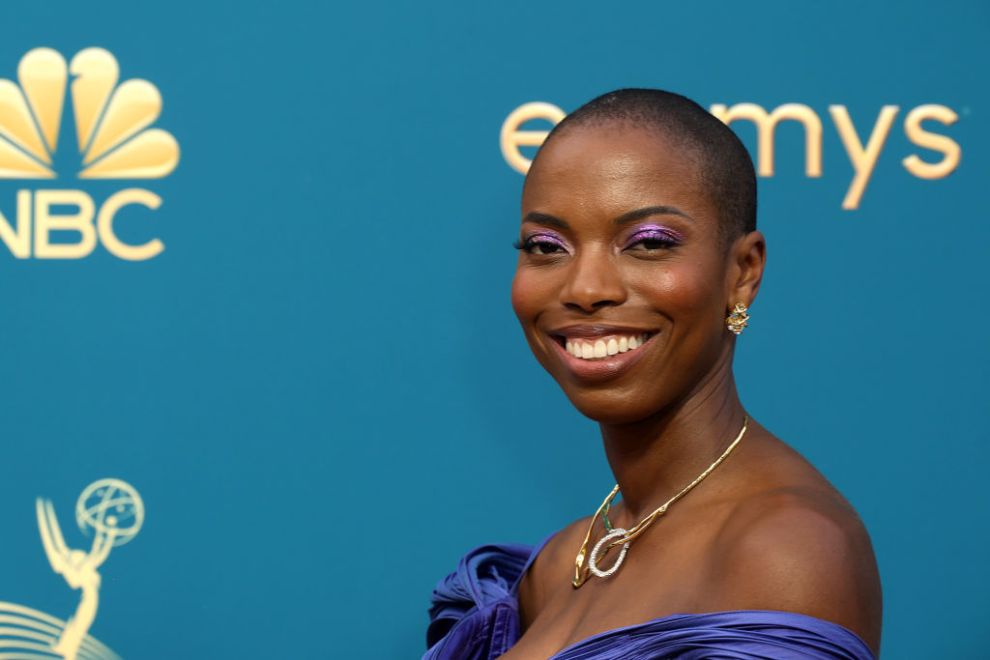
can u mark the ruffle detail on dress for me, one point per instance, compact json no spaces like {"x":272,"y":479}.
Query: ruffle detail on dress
{"x":475,"y":616}
{"x":473,"y":612}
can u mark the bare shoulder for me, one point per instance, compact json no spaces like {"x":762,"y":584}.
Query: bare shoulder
{"x":801,"y":548}
{"x":548,"y":572}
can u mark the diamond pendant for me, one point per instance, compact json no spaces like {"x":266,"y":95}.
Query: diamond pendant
{"x":593,"y":559}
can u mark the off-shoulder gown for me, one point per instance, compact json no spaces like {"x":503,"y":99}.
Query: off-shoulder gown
{"x":475,"y":615}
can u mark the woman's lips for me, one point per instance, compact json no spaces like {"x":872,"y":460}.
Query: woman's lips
{"x":614,"y":363}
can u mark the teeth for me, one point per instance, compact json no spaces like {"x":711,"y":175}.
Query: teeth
{"x":588,"y":349}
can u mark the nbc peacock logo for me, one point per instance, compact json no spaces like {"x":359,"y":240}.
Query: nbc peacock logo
{"x":114,"y":139}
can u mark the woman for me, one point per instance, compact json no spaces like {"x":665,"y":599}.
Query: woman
{"x":639,"y":258}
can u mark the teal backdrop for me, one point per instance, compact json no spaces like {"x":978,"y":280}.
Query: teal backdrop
{"x":319,"y":385}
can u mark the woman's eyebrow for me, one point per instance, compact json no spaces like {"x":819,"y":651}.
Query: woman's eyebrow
{"x":545,"y":219}
{"x":639,"y":214}
{"x":624,"y":219}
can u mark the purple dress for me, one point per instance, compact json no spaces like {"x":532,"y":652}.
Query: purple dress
{"x":475,"y":615}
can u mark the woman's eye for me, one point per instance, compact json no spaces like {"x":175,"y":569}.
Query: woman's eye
{"x":539,"y":245}
{"x":651,"y":241}
{"x":543,"y":247}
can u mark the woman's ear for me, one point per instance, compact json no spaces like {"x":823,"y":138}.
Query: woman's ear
{"x":747,"y":259}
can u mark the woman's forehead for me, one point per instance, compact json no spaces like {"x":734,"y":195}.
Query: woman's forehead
{"x":611,"y":169}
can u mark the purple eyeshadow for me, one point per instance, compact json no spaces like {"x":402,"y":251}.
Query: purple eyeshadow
{"x":655,"y":233}
{"x":542,"y":237}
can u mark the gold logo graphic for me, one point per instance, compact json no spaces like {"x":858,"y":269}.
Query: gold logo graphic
{"x":111,"y":120}
{"x":863,"y":155}
{"x":110,"y":509}
{"x":114,"y":141}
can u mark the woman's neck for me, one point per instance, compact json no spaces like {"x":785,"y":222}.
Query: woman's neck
{"x":655,"y":458}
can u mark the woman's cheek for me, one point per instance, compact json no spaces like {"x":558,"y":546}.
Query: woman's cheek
{"x":531,"y":293}
{"x":675,"y":290}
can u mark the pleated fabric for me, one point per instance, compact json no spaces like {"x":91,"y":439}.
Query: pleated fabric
{"x":475,"y":616}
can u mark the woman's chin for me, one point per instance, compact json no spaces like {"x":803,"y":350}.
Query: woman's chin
{"x":611,"y":407}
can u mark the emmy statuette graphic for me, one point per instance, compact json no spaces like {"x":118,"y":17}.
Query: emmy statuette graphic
{"x":111,"y":511}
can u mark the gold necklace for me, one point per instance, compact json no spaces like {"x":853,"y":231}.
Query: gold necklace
{"x":624,"y":537}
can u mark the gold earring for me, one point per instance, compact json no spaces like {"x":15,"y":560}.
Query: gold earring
{"x":737,"y":320}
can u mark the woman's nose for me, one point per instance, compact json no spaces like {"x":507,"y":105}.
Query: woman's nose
{"x":593,"y":281}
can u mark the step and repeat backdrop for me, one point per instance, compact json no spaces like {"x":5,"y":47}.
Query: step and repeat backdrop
{"x":261,"y":381}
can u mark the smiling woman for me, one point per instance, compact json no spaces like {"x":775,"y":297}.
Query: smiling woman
{"x":639,"y":257}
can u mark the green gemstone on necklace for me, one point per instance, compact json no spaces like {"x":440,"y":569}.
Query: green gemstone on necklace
{"x":608,"y":523}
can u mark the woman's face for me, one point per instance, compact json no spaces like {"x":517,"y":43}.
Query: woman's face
{"x":622,"y":284}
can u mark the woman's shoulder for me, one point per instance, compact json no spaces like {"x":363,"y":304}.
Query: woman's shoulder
{"x":794,"y":543}
{"x":547,"y":569}
{"x":786,"y":539}
{"x":781,"y":496}
{"x":802,"y":552}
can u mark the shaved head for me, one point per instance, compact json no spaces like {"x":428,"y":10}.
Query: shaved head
{"x":722,"y":162}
